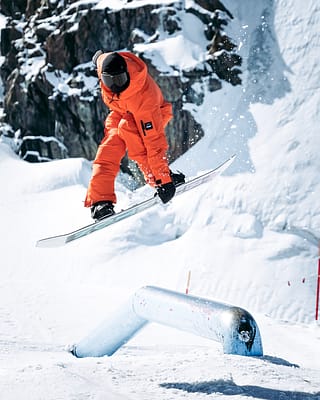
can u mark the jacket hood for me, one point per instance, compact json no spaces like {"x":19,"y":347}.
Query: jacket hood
{"x":137,"y":70}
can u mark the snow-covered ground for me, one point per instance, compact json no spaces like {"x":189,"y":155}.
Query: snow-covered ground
{"x":250,"y":239}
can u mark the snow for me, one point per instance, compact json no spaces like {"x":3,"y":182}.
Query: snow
{"x":250,"y":239}
{"x":3,"y":21}
{"x":180,"y":52}
{"x":120,"y":4}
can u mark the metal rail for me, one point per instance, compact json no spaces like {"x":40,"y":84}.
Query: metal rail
{"x":234,"y":327}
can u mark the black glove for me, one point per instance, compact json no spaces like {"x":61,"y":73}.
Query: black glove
{"x":95,"y":56}
{"x":166,"y":191}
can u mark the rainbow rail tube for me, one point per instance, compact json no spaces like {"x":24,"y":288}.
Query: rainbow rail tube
{"x":232,"y":326}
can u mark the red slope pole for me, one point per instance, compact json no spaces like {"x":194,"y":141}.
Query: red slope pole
{"x":318,"y":285}
{"x":188,"y":282}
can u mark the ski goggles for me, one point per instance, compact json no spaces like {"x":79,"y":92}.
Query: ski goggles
{"x":118,"y":80}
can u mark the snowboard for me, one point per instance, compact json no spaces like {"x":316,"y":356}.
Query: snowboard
{"x":61,"y":240}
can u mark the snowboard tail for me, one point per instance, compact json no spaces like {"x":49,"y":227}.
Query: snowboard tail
{"x":61,"y":240}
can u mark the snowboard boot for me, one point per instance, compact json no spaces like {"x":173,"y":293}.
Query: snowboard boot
{"x":177,"y":178}
{"x":102,"y":209}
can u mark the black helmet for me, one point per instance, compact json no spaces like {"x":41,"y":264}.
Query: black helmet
{"x":114,"y":73}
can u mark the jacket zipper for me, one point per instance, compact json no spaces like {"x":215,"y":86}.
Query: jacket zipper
{"x":142,"y":127}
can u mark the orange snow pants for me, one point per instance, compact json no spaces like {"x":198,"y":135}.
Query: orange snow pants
{"x":110,"y":153}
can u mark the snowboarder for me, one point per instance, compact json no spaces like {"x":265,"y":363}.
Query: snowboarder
{"x":136,"y":122}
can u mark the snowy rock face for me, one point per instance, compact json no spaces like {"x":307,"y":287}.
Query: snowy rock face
{"x":51,"y":97}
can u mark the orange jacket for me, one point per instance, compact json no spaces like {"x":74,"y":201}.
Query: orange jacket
{"x":144,"y":100}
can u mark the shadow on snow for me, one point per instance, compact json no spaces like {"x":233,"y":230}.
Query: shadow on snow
{"x":229,"y":388}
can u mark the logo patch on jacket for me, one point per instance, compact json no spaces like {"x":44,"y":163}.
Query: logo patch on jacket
{"x":148,"y":126}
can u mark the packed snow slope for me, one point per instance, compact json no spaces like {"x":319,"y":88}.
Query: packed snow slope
{"x":250,"y":239}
